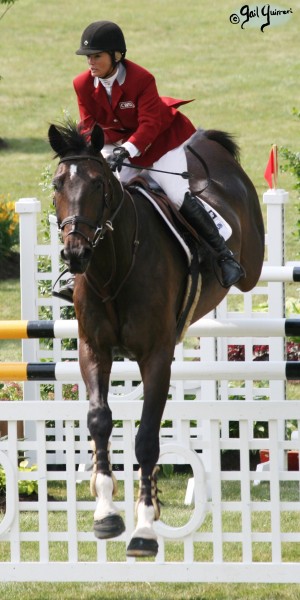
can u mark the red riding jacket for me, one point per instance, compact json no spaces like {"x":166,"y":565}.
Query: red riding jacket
{"x":136,"y":113}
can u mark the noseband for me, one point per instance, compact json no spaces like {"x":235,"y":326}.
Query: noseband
{"x":75,"y":220}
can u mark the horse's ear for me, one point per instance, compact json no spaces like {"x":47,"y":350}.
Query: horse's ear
{"x":97,"y":138}
{"x":56,"y":140}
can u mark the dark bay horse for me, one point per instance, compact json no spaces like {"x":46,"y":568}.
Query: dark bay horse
{"x":130,"y":283}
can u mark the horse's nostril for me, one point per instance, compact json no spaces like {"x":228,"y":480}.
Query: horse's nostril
{"x":81,"y":253}
{"x":87,"y":253}
{"x":63,"y":255}
{"x":77,"y":259}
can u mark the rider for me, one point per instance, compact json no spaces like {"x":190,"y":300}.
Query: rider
{"x":143,"y":128}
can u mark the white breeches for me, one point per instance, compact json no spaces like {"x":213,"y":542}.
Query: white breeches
{"x":174,"y":186}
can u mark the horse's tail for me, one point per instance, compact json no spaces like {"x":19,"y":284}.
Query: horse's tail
{"x":225,"y":139}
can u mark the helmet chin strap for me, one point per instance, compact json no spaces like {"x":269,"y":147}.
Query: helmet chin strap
{"x":114,"y":65}
{"x":111,"y":71}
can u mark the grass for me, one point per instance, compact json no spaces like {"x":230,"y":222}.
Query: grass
{"x":175,"y":514}
{"x":10,"y":290}
{"x":193,"y":51}
{"x":148,"y":591}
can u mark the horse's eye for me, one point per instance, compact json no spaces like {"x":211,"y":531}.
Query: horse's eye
{"x":97,"y":183}
{"x":57,"y":185}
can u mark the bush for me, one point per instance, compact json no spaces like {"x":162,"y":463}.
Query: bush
{"x":11,"y":391}
{"x":9,"y":226}
{"x":292,"y":165}
{"x":292,"y":159}
{"x":26,"y":487}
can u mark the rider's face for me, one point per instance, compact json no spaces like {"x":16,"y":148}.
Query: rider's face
{"x":100,"y":64}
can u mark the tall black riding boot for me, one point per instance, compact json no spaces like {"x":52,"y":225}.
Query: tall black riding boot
{"x":194,"y":212}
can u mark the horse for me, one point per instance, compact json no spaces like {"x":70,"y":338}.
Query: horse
{"x":130,"y":283}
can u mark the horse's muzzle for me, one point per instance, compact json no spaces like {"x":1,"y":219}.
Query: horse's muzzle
{"x":76,"y":259}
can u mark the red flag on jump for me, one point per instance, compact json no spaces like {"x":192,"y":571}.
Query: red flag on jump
{"x":271,"y":171}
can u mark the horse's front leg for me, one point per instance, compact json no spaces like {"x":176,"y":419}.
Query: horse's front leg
{"x":156,"y":379}
{"x":107,"y":521}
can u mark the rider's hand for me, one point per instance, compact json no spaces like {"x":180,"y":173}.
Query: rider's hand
{"x":117,"y":157}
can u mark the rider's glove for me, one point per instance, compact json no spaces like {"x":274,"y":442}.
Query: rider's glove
{"x":117,"y":157}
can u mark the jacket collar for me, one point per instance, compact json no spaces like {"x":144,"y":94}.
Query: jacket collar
{"x":120,"y":77}
{"x":121,"y":74}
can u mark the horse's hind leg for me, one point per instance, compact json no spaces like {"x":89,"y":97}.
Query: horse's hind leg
{"x":107,"y":521}
{"x":156,"y":379}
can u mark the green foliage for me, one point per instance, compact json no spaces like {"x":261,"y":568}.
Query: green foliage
{"x":292,"y":159}
{"x":69,"y":392}
{"x":26,"y":487}
{"x":292,"y":165}
{"x":292,"y":306}
{"x":261,"y":429}
{"x":2,"y":481}
{"x":8,"y":4}
{"x":290,"y":426}
{"x":167,"y":470}
{"x":11,"y":391}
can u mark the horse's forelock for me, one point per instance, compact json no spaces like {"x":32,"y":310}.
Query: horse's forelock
{"x":69,"y":138}
{"x":75,"y":139}
{"x":66,"y":138}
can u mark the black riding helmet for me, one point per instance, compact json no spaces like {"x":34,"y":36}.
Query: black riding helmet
{"x":102,"y":36}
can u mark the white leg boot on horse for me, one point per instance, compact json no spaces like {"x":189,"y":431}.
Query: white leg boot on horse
{"x":107,"y":521}
{"x":144,"y":539}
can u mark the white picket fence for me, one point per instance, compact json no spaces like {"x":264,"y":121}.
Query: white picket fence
{"x":236,"y":531}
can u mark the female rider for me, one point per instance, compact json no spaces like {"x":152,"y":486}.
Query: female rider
{"x":143,"y":128}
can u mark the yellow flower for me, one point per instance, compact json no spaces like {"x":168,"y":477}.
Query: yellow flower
{"x":9,"y":225}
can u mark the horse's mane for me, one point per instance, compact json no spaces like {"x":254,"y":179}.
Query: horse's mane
{"x":225,"y":139}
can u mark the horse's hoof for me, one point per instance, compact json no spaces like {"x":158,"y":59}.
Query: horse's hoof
{"x":142,"y":547}
{"x":109,"y":527}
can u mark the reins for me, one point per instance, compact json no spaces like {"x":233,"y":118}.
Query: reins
{"x":135,"y":249}
{"x":184,"y":174}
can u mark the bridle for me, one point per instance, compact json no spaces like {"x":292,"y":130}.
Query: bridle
{"x":75,"y":220}
{"x":100,"y":230}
